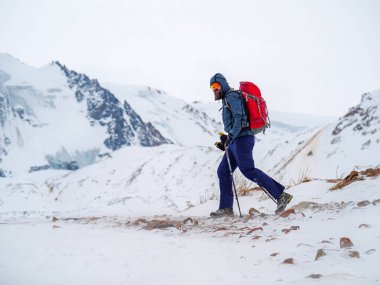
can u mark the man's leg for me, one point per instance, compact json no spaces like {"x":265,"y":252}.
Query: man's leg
{"x":225,"y":181}
{"x":242,"y":150}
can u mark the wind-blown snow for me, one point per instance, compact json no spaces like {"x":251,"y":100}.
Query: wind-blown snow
{"x":133,"y":181}
{"x":117,"y":250}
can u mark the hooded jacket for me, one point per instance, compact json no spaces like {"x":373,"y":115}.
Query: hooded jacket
{"x":234,"y":111}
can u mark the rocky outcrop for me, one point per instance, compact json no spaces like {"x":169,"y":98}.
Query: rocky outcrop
{"x":124,"y":126}
{"x":363,"y":118}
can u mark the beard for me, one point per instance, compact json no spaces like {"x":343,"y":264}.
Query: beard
{"x":218,"y":95}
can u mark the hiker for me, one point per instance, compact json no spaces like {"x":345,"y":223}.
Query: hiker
{"x":239,"y":143}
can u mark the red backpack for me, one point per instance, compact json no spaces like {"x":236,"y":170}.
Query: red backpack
{"x":257,"y":111}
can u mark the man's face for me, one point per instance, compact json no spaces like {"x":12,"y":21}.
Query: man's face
{"x":217,"y":89}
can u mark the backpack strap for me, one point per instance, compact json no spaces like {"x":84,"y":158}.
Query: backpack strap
{"x":226,"y":105}
{"x":246,"y":127}
{"x":230,"y":91}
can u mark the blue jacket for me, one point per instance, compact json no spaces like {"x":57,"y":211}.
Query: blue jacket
{"x":234,"y":113}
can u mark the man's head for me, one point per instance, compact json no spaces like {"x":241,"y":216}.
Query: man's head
{"x":217,"y":89}
{"x":219,"y":86}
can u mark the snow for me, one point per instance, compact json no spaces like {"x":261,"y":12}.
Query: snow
{"x":99,"y":224}
{"x":110,"y":250}
{"x":133,"y":181}
{"x":52,"y":110}
{"x":329,"y":155}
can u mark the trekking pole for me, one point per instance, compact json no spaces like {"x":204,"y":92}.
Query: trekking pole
{"x":233,"y":182}
{"x":266,"y":192}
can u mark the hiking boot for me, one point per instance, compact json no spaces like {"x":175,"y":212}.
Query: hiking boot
{"x":282,"y":202}
{"x":225,"y":212}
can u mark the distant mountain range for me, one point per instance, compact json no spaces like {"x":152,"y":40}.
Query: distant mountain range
{"x":56,"y":118}
{"x":138,"y":150}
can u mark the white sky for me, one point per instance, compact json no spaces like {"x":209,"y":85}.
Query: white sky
{"x":313,"y":57}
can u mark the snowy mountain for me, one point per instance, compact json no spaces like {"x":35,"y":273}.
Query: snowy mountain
{"x":55,"y":117}
{"x":332,"y":152}
{"x":182,"y":123}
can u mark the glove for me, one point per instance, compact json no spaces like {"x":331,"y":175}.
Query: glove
{"x":225,"y":139}
{"x":220,"y":146}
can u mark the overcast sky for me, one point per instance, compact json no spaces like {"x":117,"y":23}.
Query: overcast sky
{"x":313,"y":57}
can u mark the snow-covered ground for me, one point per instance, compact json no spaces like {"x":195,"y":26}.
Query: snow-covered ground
{"x":140,"y":215}
{"x":130,"y":250}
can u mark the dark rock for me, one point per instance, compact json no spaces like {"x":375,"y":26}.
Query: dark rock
{"x":39,"y":168}
{"x":79,"y":95}
{"x":354,"y":253}
{"x":361,"y":116}
{"x":363,"y":203}
{"x":303,"y":244}
{"x":314,"y":276}
{"x":72,"y":165}
{"x":286,"y":213}
{"x":7,"y":141}
{"x":106,"y":154}
{"x":288,"y":261}
{"x":370,"y":251}
{"x":254,"y":229}
{"x":292,"y":228}
{"x":319,"y":254}
{"x":124,"y":126}
{"x":253,"y":211}
{"x":366,"y":144}
{"x":345,"y":242}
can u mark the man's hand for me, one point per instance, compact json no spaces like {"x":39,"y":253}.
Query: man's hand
{"x":220,"y":146}
{"x":225,"y":139}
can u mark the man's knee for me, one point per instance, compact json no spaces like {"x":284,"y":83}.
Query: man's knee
{"x":249,"y":172}
{"x":223,"y":171}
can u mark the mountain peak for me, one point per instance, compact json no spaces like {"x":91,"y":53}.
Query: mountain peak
{"x":363,"y":116}
{"x":74,"y":113}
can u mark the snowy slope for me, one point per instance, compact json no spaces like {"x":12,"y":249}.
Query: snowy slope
{"x":71,"y":249}
{"x":351,"y":142}
{"x":133,"y":181}
{"x":58,"y":113}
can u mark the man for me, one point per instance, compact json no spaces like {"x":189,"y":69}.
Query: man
{"x":239,"y":143}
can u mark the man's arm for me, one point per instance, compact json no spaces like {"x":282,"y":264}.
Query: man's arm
{"x":235,"y":103}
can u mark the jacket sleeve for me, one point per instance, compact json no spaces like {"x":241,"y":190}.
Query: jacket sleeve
{"x":235,"y":104}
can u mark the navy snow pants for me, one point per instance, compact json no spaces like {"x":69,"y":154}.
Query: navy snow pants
{"x":240,"y":153}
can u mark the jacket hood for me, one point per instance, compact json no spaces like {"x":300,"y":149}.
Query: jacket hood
{"x":222,"y":81}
